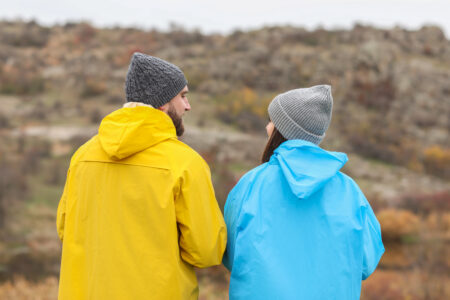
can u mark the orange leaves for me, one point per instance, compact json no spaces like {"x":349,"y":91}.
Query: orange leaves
{"x":437,"y":161}
{"x":398,"y":224}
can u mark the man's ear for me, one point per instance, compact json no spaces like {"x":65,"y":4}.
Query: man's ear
{"x":164,"y":108}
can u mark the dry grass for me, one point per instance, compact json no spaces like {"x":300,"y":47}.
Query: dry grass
{"x":383,"y":284}
{"x":213,"y":284}
{"x":409,"y":285}
{"x":21,"y":289}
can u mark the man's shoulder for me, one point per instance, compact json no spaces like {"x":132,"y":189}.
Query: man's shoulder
{"x":181,"y":158}
{"x":181,"y":154}
{"x":80,"y":152}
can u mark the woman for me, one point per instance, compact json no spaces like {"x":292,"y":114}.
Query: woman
{"x":297,"y":227}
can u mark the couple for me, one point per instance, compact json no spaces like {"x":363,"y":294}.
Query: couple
{"x":138,"y":211}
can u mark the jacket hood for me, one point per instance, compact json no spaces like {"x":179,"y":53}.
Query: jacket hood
{"x":128,"y":131}
{"x":306,"y":166}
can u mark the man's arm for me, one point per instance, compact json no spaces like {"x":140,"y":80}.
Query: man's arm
{"x":200,"y":221}
{"x":61,"y":213}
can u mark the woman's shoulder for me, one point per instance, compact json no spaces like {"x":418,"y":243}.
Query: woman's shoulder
{"x":246,"y":181}
{"x":351,"y":186}
{"x":252,"y":174}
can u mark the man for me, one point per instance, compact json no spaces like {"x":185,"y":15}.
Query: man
{"x":138,"y":210}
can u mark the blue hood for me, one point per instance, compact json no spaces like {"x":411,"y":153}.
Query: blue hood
{"x":306,"y":166}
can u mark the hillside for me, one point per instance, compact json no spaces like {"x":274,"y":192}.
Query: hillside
{"x":391,"y":115}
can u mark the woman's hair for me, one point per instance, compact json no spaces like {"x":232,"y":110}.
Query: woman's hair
{"x":275,"y":140}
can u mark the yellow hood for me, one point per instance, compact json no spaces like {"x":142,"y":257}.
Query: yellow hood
{"x":130,"y":130}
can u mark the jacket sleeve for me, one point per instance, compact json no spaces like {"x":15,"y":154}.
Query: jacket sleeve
{"x":200,"y":222}
{"x":231,"y":214}
{"x":372,"y":243}
{"x":61,"y":212}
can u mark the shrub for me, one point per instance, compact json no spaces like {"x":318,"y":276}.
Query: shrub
{"x":13,"y":185}
{"x":378,"y":95}
{"x":55,"y":172}
{"x":92,"y":88}
{"x":84,"y":33}
{"x":384,"y":141}
{"x":390,"y":285}
{"x":24,"y":34}
{"x":35,"y":151}
{"x":437,"y":161}
{"x":398,"y":225}
{"x":438,"y":223}
{"x":244,"y":108}
{"x":115,"y":98}
{"x":95,"y":116}
{"x":22,"y":289}
{"x":426,"y":203}
{"x":222,"y":177}
{"x":26,"y":84}
{"x":4,"y":121}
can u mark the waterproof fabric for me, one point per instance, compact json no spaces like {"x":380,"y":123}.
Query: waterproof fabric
{"x":137,"y":213}
{"x":300,"y":229}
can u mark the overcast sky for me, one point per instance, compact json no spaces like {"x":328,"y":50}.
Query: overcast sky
{"x":225,"y":16}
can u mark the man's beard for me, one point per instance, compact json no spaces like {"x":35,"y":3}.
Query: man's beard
{"x":177,"y":120}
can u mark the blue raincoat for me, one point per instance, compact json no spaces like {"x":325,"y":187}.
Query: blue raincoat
{"x":300,"y":229}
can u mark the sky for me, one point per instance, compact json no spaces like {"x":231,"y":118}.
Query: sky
{"x":226,"y":16}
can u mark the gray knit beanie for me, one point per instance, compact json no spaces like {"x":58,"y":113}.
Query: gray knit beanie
{"x":303,"y":114}
{"x":153,"y":81}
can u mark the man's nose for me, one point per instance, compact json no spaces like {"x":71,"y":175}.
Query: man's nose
{"x":187,"y":106}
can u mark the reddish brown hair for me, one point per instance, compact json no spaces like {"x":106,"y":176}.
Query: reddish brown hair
{"x":275,"y":140}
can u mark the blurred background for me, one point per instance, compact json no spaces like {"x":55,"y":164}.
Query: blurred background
{"x":63,"y":66}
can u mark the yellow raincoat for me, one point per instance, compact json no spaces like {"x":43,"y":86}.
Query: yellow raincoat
{"x":137,"y":213}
